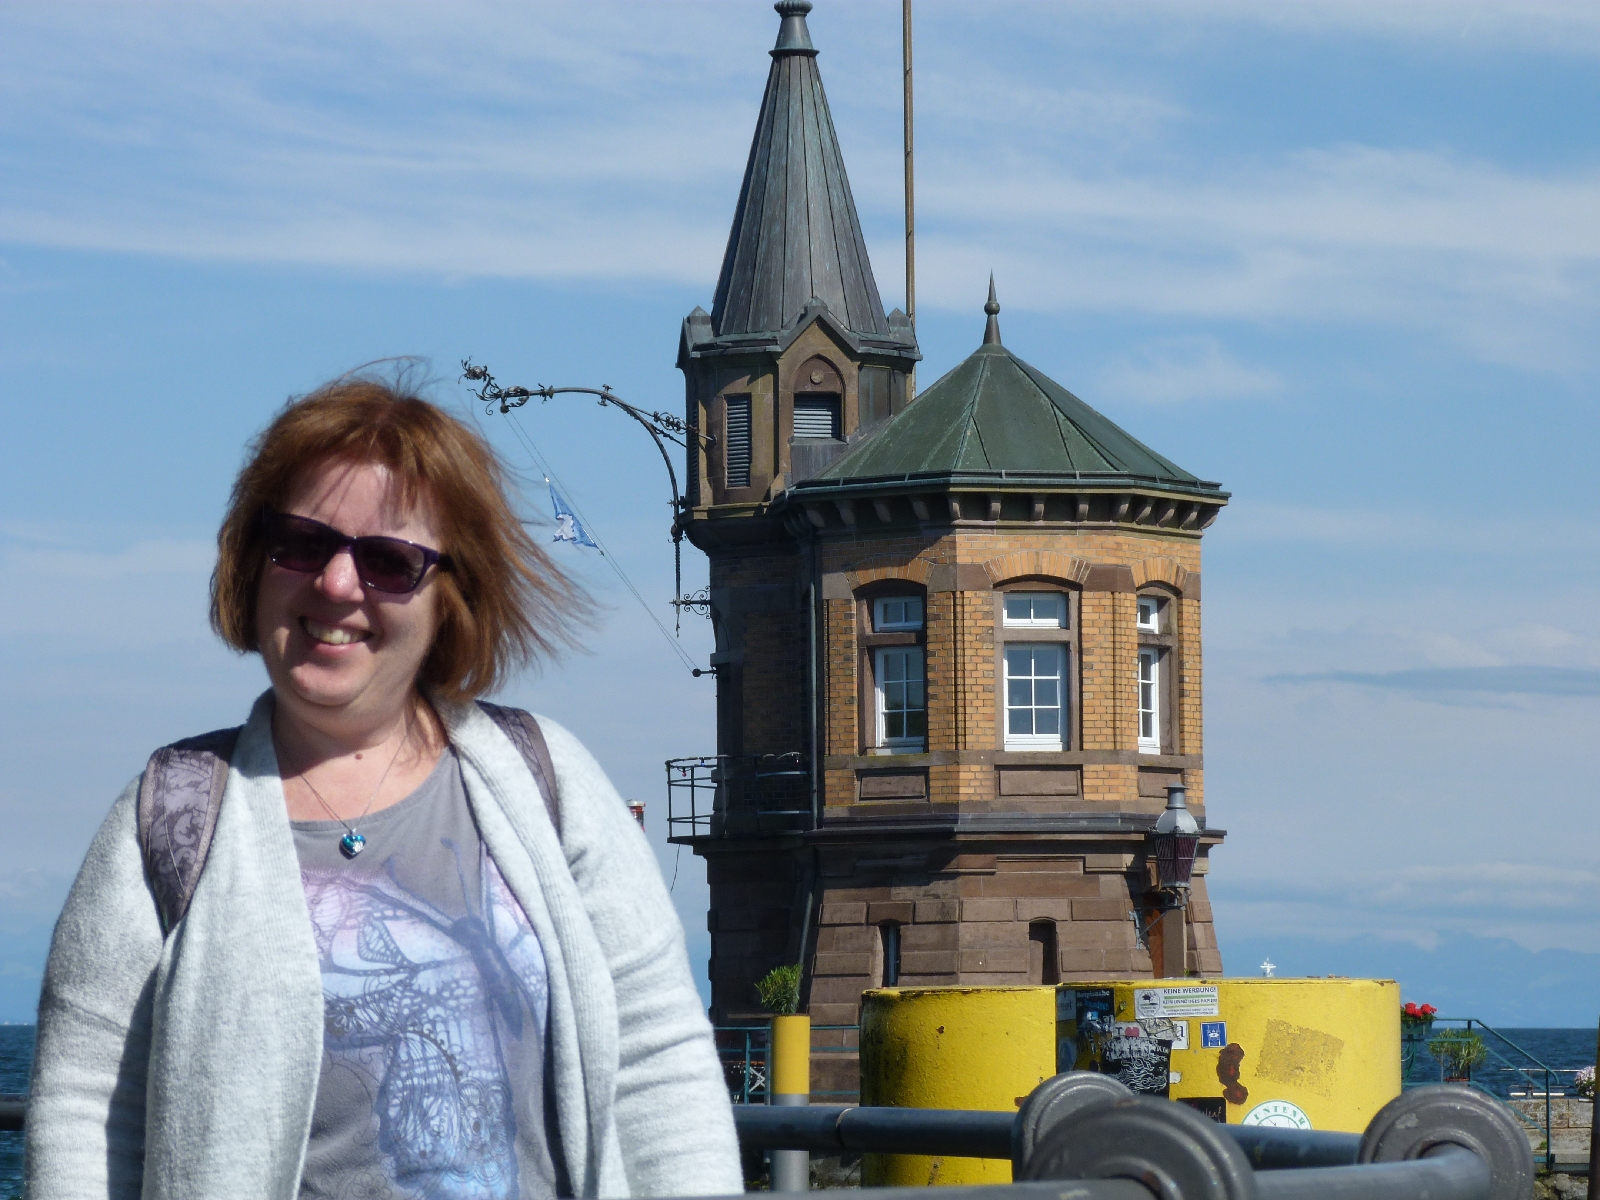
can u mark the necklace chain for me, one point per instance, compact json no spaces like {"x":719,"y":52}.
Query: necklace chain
{"x":350,"y":830}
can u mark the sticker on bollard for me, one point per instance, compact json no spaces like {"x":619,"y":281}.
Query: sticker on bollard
{"x":1189,"y":1001}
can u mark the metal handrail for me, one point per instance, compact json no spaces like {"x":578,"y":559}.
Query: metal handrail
{"x":1080,"y":1130}
{"x":1539,"y":1067}
{"x":753,"y":1054}
{"x":968,"y":1133}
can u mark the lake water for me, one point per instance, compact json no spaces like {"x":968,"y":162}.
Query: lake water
{"x":1563,"y":1050}
{"x":16,"y":1059}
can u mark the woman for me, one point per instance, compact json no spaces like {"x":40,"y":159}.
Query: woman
{"x":396,"y":976}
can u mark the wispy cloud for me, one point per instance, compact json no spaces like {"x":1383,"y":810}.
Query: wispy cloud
{"x":1519,"y":680}
{"x":554,"y":143}
{"x":1181,"y":369}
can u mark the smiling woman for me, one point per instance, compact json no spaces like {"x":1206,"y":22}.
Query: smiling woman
{"x":419,"y":946}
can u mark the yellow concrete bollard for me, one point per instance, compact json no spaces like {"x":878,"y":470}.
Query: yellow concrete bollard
{"x":952,"y":1047}
{"x":1299,"y":1053}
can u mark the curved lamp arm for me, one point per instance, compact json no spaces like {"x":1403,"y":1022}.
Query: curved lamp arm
{"x":662,"y":427}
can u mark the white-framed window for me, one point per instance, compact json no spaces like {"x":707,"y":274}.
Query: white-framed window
{"x":1035,"y":708}
{"x":1151,"y":611}
{"x":1150,"y":662}
{"x":901,"y":698}
{"x":1035,"y":610}
{"x":896,"y":614}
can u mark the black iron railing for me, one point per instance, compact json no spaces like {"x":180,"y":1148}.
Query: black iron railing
{"x":727,"y":795}
{"x":744,"y":1053}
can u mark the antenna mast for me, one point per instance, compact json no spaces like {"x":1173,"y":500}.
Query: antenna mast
{"x":911,"y":224}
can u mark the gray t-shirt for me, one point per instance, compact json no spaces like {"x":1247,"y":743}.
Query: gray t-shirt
{"x":436,"y":1011}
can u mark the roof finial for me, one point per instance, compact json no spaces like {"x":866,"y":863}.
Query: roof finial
{"x":793,"y":36}
{"x":991,"y":331}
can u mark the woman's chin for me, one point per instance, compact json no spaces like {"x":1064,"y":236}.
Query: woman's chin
{"x":323,"y":689}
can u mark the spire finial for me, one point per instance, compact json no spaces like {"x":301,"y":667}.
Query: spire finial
{"x":793,"y":36}
{"x":991,"y":331}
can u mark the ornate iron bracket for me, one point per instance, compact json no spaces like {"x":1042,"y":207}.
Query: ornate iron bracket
{"x":662,"y":428}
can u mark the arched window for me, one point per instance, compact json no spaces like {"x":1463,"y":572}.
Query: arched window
{"x":895,"y":695}
{"x":1044,"y":965}
{"x":1157,"y":652}
{"x":889,"y":952}
{"x":1037,"y":665}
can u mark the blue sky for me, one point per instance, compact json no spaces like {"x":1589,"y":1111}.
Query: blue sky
{"x":1340,"y":256}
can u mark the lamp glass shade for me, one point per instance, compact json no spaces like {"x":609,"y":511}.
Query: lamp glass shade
{"x":1174,"y":858}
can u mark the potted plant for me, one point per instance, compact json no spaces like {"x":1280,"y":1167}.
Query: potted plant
{"x":1416,"y":1022}
{"x":1583,"y":1085}
{"x":1417,"y":1018}
{"x":1458,"y":1051}
{"x":789,"y":1050}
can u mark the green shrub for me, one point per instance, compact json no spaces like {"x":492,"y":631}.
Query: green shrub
{"x":779,"y":990}
{"x":1459,"y":1050}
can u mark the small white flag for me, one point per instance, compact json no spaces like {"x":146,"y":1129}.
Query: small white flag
{"x":568,"y":527}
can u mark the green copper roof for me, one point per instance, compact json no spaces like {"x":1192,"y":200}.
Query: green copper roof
{"x":995,"y":416}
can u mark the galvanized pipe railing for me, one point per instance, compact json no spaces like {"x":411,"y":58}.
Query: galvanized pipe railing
{"x":964,"y":1133}
{"x":1084,"y":1136}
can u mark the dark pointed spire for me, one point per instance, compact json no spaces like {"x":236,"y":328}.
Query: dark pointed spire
{"x":991,"y":331}
{"x":795,"y":231}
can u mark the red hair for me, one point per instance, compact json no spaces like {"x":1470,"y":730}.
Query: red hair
{"x":503,"y":604}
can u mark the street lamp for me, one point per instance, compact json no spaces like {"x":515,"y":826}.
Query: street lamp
{"x":1173,"y":843}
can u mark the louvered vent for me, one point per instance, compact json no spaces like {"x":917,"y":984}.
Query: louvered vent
{"x":737,"y":442}
{"x":816,"y":417}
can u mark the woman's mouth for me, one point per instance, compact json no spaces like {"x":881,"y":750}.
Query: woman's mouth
{"x":333,"y":635}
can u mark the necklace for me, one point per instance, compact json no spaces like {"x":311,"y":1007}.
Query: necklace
{"x":352,"y":843}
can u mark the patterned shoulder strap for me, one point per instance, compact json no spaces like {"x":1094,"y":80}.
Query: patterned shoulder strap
{"x":179,"y":796}
{"x":526,"y":736}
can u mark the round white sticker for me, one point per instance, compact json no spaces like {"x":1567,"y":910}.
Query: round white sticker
{"x":1277,"y":1114}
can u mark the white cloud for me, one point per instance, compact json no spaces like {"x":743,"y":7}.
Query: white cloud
{"x":553,"y":142}
{"x":1180,"y":369}
{"x":1538,"y":905}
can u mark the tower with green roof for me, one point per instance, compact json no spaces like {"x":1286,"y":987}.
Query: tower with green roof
{"x":957,"y":635}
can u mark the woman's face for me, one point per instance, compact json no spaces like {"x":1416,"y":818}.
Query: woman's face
{"x":343,"y":656}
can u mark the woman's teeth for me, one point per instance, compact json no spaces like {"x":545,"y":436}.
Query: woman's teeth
{"x":331,"y":635}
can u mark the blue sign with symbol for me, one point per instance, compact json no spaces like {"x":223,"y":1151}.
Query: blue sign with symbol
{"x":1213,"y":1035}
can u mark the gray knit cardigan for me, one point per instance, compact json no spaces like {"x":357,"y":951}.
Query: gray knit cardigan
{"x":187,"y":1067}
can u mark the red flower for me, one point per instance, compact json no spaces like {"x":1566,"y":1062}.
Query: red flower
{"x":1428,"y":1010}
{"x":1410,"y":1010}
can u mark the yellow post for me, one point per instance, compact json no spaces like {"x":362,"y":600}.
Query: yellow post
{"x":952,"y":1047}
{"x":789,"y":1064}
{"x":791,"y":1056}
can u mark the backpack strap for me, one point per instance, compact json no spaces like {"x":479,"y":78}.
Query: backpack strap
{"x":179,"y":796}
{"x":526,"y":736}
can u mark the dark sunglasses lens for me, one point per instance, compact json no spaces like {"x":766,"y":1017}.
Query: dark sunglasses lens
{"x":300,"y":545}
{"x":388,"y":564}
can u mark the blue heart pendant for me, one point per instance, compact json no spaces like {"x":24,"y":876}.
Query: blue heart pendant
{"x":352,"y":844}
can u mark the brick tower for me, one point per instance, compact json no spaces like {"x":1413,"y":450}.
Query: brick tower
{"x":957,"y":637}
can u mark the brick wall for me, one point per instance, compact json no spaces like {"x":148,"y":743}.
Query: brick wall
{"x":964,"y":901}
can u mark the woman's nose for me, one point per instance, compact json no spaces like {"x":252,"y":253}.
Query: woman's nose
{"x":339,"y":579}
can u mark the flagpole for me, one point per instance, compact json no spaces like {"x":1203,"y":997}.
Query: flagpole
{"x":911,"y":225}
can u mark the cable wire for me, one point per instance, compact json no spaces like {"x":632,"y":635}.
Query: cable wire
{"x":550,"y":476}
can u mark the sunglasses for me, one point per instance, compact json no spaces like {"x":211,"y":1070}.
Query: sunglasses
{"x":385,"y":564}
